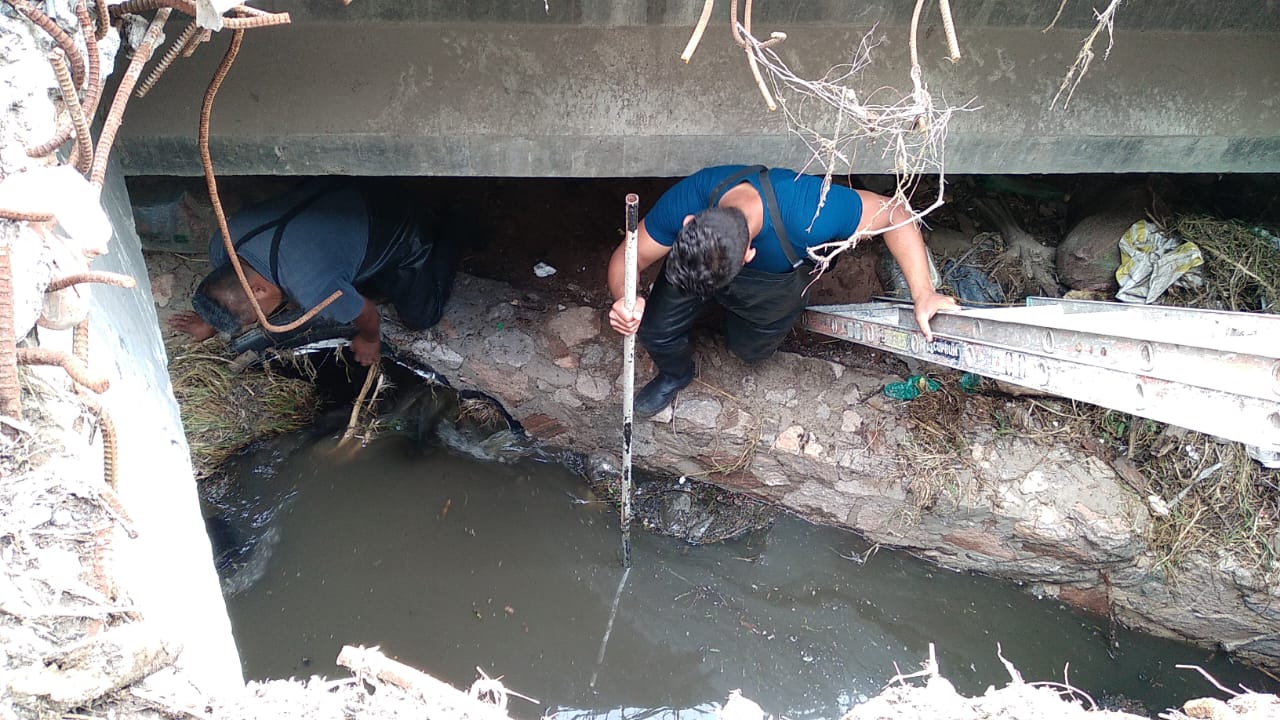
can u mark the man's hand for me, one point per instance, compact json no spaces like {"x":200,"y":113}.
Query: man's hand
{"x":366,"y":351}
{"x":626,"y":323}
{"x":192,"y":324}
{"x":927,"y":305}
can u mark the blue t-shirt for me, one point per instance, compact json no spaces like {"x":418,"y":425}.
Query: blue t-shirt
{"x":321,"y":249}
{"x":798,"y":197}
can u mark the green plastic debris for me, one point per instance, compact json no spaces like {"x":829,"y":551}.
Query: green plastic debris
{"x":970,"y":382}
{"x":912,"y":387}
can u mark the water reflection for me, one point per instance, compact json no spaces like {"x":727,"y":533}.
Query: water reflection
{"x":450,"y":564}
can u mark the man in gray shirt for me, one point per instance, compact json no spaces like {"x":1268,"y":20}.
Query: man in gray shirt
{"x":324,"y":237}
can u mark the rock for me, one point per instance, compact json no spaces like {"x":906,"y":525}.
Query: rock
{"x":1208,"y":708}
{"x":946,"y":243}
{"x":1088,"y":256}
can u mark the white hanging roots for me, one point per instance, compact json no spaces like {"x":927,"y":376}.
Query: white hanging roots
{"x":908,"y":129}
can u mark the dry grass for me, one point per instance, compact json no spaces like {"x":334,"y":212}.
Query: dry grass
{"x":939,"y":452}
{"x":1241,"y":269}
{"x":223,"y":411}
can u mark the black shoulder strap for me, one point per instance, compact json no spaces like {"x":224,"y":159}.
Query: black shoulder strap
{"x":723,"y":187}
{"x":279,"y":225}
{"x":779,"y":228}
{"x":770,"y":201}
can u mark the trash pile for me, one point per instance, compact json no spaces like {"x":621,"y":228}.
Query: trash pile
{"x":1207,"y":496}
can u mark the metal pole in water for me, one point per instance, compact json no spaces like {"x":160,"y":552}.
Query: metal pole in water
{"x":629,"y":370}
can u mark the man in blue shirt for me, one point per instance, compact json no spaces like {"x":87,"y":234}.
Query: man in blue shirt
{"x":740,"y":235}
{"x":328,"y":236}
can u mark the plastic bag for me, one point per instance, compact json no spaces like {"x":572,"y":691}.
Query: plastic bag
{"x":1151,"y":263}
{"x":912,"y":387}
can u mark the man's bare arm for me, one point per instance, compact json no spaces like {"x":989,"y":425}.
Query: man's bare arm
{"x":648,"y":251}
{"x":367,"y":344}
{"x":906,"y":244}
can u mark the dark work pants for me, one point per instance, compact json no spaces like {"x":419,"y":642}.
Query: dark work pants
{"x":760,"y":309}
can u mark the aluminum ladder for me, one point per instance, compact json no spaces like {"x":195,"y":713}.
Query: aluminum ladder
{"x":1213,"y":371}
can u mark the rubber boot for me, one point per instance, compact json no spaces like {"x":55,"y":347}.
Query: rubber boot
{"x":675,"y":372}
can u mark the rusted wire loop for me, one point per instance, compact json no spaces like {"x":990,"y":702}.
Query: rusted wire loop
{"x":92,"y":276}
{"x":206,"y":161}
{"x":24,"y":216}
{"x":74,"y":368}
{"x":60,"y":36}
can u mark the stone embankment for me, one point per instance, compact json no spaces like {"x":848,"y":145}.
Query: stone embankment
{"x":821,"y":439}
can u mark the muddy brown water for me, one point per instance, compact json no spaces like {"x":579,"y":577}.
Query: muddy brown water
{"x":452,"y":563}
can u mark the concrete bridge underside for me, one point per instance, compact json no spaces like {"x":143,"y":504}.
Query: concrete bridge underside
{"x":596,"y":89}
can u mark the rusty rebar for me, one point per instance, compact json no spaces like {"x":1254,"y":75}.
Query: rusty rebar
{"x":170,"y":55}
{"x":206,"y":161}
{"x":59,"y":36}
{"x":256,"y":21}
{"x":82,"y":158}
{"x":73,"y":366}
{"x":140,"y":6}
{"x":10,"y":394}
{"x":104,"y":18}
{"x":60,"y":137}
{"x":24,"y":216}
{"x":111,"y":125}
{"x":93,"y":91}
{"x":196,"y":41}
{"x":80,"y":341}
{"x":92,"y":276}
{"x":110,"y":458}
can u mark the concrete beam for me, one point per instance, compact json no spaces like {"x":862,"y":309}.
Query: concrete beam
{"x":414,"y":98}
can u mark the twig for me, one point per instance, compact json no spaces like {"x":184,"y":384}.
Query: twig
{"x":742,"y":36}
{"x":1056,"y":15}
{"x":1075,"y":73}
{"x":930,"y":670}
{"x":375,"y":371}
{"x":1210,"y":678}
{"x":1013,"y":671}
{"x":370,"y":662}
{"x":700,"y":28}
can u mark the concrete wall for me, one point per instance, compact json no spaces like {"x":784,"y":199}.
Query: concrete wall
{"x":590,"y":89}
{"x":167,"y":571}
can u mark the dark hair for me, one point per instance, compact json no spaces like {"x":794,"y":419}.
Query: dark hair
{"x":709,"y":251}
{"x":206,"y":300}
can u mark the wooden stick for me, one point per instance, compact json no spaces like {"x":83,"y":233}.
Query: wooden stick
{"x":354,"y":422}
{"x":629,"y":370}
{"x":371,"y":662}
